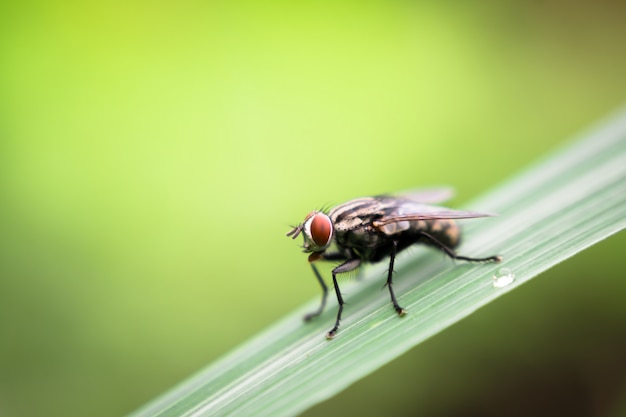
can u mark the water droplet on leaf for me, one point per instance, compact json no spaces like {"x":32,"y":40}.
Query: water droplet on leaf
{"x":503,"y":278}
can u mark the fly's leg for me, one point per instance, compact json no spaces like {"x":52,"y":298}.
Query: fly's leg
{"x":334,"y":256}
{"x":347,"y":266}
{"x":324,"y":296}
{"x":332,"y":332}
{"x":401,"y":311}
{"x":452,"y":254}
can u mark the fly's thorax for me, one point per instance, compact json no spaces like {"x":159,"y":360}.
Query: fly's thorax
{"x":356,"y":215}
{"x":353,"y":223}
{"x":354,"y":209}
{"x":362,"y":237}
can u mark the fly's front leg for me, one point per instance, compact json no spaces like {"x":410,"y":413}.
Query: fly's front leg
{"x":347,"y":266}
{"x":328,"y":257}
{"x":324,"y":296}
{"x":401,"y":311}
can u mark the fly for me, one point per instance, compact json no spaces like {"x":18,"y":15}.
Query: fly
{"x":370,"y":229}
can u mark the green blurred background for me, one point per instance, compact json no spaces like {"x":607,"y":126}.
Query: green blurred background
{"x":153,"y":154}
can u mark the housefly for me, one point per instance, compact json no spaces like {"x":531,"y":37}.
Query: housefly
{"x":370,"y":229}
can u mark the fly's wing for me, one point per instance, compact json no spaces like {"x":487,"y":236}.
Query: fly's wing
{"x":428,"y":195}
{"x":407,"y":211}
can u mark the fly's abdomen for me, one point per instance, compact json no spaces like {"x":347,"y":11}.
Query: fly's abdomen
{"x":445,"y":231}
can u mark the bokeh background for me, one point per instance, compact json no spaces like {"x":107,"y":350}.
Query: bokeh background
{"x":153,"y":154}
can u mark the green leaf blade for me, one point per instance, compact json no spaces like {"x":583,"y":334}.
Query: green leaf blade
{"x":560,"y":206}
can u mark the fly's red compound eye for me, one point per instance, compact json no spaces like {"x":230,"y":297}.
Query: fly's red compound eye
{"x":321,"y":229}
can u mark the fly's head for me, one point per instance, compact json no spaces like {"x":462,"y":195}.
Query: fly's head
{"x":317,"y":230}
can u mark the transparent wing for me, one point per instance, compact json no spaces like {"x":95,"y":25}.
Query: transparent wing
{"x":410,"y":211}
